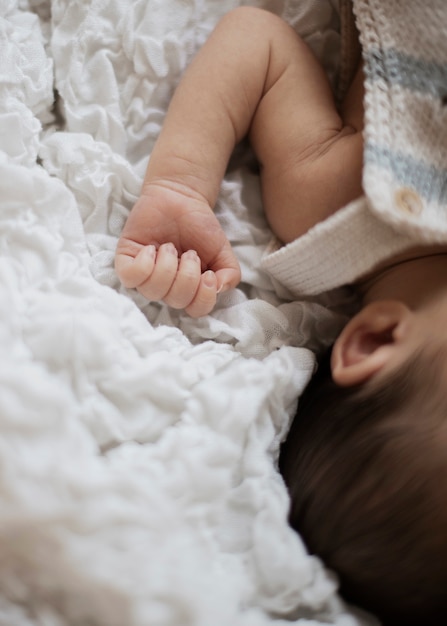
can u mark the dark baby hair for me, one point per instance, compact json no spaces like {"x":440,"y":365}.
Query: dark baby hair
{"x":366,"y":469}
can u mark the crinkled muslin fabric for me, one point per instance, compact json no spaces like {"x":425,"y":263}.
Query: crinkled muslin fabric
{"x":138,"y":480}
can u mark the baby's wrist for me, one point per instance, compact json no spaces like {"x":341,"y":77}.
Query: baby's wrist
{"x":176,"y":185}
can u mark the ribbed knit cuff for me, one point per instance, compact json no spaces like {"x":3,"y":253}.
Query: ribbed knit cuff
{"x":336,"y":252}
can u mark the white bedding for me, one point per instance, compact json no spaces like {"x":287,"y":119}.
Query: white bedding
{"x":138,"y":484}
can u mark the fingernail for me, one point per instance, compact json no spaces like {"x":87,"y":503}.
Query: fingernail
{"x":224,"y":287}
{"x":170,"y":248}
{"x":146,"y":254}
{"x":209,"y":279}
{"x":191,"y":255}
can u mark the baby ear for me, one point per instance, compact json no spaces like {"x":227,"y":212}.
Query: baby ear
{"x":368,"y":342}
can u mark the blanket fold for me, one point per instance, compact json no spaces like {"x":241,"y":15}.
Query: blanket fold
{"x":138,"y":446}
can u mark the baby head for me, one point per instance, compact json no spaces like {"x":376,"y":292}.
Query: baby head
{"x":366,"y":467}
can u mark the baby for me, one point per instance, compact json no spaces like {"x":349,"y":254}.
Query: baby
{"x":364,"y":495}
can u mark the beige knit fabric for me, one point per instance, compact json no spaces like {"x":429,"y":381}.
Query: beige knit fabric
{"x":404,"y":47}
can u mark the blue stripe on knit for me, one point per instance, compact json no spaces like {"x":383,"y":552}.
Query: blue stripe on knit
{"x":429,"y":181}
{"x":397,"y":68}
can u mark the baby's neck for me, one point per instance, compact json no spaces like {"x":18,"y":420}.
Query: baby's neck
{"x":417,"y":277}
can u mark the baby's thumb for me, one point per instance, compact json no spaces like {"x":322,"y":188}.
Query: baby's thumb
{"x":228,"y":277}
{"x":226,"y":268}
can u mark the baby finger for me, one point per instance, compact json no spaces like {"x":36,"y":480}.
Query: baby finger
{"x":186,"y":282}
{"x":133,"y":271}
{"x":205,"y":297}
{"x":160,"y":281}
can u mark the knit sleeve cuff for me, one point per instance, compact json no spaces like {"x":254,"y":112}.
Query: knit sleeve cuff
{"x":336,"y":252}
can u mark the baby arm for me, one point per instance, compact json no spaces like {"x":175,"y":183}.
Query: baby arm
{"x":172,"y":247}
{"x":311,"y":156}
{"x":253,"y":74}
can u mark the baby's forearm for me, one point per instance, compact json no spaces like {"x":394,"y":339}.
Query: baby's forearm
{"x":211,"y":109}
{"x":255,"y":75}
{"x":215,"y":102}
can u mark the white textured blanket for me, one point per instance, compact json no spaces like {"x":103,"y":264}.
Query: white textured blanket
{"x":137,"y":446}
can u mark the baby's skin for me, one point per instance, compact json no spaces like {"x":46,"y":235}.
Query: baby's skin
{"x":254,"y":76}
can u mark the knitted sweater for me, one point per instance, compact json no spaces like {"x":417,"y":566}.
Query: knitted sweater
{"x":404,"y":48}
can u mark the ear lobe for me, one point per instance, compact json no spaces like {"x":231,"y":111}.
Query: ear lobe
{"x":368,"y":342}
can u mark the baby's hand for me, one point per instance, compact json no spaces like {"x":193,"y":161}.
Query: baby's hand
{"x":173,"y":249}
